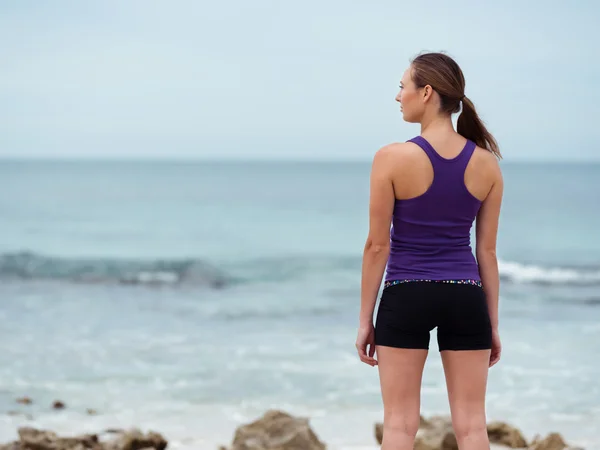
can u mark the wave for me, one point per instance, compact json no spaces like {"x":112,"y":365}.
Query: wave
{"x":34,"y":266}
{"x":536,"y":274}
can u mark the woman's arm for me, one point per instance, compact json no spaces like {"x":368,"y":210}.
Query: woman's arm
{"x":486,"y":236}
{"x":377,"y":247}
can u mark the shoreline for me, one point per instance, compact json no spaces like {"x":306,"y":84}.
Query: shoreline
{"x":434,"y":433}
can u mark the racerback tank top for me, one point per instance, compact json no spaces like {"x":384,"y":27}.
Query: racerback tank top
{"x":431,"y":233}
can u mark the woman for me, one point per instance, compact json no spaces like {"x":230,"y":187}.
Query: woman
{"x":430,"y":190}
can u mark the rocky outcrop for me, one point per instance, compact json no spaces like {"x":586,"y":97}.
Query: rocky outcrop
{"x":505,"y":434}
{"x":136,"y":440}
{"x":553,"y":441}
{"x":436,"y":433}
{"x":276,"y":430}
{"x":32,"y":439}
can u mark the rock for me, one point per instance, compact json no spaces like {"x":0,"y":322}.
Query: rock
{"x":32,"y":439}
{"x":505,"y":434}
{"x":24,"y":401}
{"x":435,"y":433}
{"x":423,"y":422}
{"x":553,"y":441}
{"x":11,"y":446}
{"x":91,"y":412}
{"x":276,"y":430}
{"x":27,"y":434}
{"x":136,"y":440}
{"x":58,"y":405}
{"x":379,"y":433}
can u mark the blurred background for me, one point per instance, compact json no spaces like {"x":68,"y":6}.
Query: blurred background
{"x":185,"y":196}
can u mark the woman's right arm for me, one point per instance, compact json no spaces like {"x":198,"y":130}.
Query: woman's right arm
{"x":486,"y":236}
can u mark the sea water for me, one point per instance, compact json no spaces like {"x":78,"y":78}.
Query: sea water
{"x":189,"y":298}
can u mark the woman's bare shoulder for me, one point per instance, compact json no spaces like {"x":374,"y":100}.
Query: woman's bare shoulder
{"x":486,"y":161}
{"x":399,"y":151}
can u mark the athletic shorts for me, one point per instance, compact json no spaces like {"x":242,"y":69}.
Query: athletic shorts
{"x":409,"y":311}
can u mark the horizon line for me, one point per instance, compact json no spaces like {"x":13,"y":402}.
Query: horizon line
{"x":231,"y":160}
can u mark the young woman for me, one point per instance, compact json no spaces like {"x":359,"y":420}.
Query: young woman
{"x":430,"y":190}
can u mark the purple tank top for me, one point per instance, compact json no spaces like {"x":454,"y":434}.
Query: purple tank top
{"x":431,"y":233}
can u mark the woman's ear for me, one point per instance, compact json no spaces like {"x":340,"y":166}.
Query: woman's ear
{"x":427,"y":92}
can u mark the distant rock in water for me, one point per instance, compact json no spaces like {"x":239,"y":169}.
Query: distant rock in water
{"x":24,"y":401}
{"x":57,"y":404}
{"x":276,"y":430}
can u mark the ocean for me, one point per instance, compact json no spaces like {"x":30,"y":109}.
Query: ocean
{"x":189,"y":298}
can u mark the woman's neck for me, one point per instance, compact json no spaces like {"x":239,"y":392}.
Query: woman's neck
{"x":437,"y":124}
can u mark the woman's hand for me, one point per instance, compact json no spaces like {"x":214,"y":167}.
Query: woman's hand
{"x":496,"y":348}
{"x":366,"y":338}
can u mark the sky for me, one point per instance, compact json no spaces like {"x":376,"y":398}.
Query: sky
{"x":273,"y":79}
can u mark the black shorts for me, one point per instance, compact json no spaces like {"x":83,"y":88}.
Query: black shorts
{"x":409,"y":311}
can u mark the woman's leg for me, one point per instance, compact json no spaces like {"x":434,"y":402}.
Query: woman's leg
{"x":406,"y":315}
{"x":400,"y":374}
{"x":465,"y":340}
{"x":466,"y":378}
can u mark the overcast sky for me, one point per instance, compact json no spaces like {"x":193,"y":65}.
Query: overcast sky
{"x":279,"y":79}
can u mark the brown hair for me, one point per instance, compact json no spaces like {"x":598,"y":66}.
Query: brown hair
{"x":443,"y":74}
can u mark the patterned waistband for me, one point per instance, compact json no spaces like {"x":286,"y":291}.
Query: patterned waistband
{"x":471,"y":282}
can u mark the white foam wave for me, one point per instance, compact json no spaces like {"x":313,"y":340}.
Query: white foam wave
{"x":535,"y":274}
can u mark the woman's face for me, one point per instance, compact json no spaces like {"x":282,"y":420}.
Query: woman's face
{"x":410,"y":98}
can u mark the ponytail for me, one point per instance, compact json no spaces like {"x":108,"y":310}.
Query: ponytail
{"x":470,"y":126}
{"x":446,"y":78}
